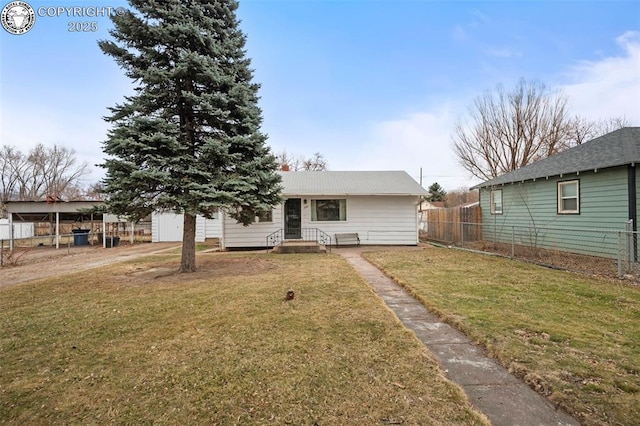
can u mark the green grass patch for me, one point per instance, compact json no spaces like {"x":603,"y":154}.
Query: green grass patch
{"x":575,"y":339}
{"x":138,"y":343}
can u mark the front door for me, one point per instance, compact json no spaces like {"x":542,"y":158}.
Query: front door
{"x":293,"y":219}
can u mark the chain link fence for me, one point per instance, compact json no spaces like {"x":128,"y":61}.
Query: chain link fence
{"x":605,"y":252}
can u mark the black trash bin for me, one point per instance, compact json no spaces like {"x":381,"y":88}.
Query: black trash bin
{"x":112,"y":242}
{"x":80,"y":237}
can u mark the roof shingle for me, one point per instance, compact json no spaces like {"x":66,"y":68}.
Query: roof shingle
{"x":350,"y":183}
{"x":617,"y":148}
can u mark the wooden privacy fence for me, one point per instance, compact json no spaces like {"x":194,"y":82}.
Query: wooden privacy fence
{"x":454,"y":225}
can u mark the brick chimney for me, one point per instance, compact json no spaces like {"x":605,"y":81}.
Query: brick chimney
{"x":284,"y":167}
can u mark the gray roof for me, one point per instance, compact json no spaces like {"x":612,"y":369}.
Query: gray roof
{"x":350,"y":183}
{"x":617,"y":148}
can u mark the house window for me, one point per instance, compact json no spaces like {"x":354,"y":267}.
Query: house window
{"x":328,"y":210}
{"x":496,"y":201}
{"x":569,"y":197}
{"x":265,"y":216}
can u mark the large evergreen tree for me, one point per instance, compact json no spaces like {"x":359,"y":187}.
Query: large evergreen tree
{"x":189,"y":139}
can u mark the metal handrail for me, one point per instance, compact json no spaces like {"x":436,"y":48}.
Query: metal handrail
{"x":274,"y":238}
{"x":306,"y":234}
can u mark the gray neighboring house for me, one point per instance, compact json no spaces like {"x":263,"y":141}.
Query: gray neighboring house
{"x":592,"y":186}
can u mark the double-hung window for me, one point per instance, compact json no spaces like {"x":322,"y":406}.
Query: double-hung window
{"x":496,"y":201}
{"x":265,"y":216}
{"x":569,"y":197}
{"x":328,"y":210}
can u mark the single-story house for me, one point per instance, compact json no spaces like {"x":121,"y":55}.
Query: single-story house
{"x":592,"y":186}
{"x":380,"y":206}
{"x":430,"y":205}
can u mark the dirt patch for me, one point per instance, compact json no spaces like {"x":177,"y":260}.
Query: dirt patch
{"x":590,"y":265}
{"x":210,"y":267}
{"x":45,"y":263}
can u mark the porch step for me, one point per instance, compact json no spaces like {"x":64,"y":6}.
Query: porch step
{"x":299,"y":247}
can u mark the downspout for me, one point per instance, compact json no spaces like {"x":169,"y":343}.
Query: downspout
{"x":633,"y":214}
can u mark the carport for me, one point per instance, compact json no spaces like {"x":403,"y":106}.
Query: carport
{"x":83,"y":213}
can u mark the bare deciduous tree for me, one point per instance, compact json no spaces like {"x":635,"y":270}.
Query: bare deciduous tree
{"x":44,"y":171}
{"x":317,"y":162}
{"x":12,"y":162}
{"x":508,"y":130}
{"x":461,"y":196}
{"x":581,"y":130}
{"x":95,"y":192}
{"x":292,"y":161}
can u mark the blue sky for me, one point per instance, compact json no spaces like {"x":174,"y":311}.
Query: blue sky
{"x":372,"y":85}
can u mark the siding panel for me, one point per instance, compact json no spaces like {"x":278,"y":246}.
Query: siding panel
{"x":383,"y":220}
{"x":168,"y":227}
{"x":603,"y":206}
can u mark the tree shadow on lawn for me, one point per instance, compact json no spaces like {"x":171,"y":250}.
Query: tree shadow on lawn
{"x":209,"y":267}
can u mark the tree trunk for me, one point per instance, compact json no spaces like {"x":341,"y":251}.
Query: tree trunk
{"x":188,"y":261}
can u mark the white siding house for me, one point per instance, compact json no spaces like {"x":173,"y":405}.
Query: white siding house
{"x":168,"y":227}
{"x":381,"y":206}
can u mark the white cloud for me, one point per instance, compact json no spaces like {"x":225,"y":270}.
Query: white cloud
{"x":480,"y":18}
{"x":609,"y":87}
{"x":459,"y":33}
{"x":597,"y":90}
{"x":418,"y":140}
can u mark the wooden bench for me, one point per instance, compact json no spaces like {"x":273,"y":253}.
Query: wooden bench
{"x":348,"y":239}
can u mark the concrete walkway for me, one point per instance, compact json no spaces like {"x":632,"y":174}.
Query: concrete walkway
{"x":503,"y":398}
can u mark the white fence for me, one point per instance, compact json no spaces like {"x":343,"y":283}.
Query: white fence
{"x":20,"y":230}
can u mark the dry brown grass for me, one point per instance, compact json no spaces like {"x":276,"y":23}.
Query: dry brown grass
{"x":574,"y":338}
{"x":138,"y":343}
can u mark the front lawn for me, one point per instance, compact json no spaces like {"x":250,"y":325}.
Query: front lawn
{"x":574,"y":338}
{"x":137,"y":343}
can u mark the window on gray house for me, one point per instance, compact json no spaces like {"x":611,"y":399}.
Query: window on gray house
{"x":569,"y":197}
{"x":496,"y":201}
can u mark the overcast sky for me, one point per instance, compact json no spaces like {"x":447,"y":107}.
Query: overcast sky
{"x":372,"y":85}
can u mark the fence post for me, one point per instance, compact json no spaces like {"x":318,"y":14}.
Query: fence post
{"x":461,"y":234}
{"x":513,"y":242}
{"x":1,"y":252}
{"x":620,"y":253}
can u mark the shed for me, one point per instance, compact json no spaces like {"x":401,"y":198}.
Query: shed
{"x":168,"y":227}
